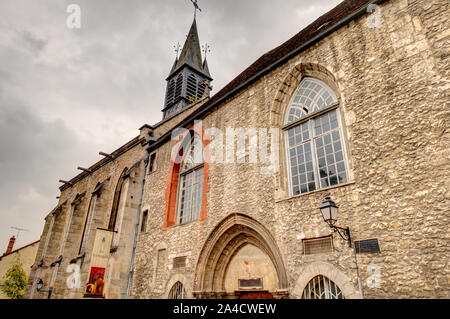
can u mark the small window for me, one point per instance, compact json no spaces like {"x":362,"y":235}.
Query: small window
{"x":321,"y":287}
{"x":177,"y":291}
{"x":314,"y":246}
{"x":152,"y":164}
{"x":144,"y":222}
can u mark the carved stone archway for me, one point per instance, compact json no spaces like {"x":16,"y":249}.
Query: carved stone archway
{"x":228,"y":237}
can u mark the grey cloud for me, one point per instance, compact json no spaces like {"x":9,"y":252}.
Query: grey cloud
{"x":33,"y":43}
{"x":67,"y":94}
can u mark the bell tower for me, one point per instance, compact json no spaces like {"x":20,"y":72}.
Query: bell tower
{"x":189,"y":78}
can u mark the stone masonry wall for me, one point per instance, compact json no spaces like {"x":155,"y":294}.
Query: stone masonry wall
{"x":109,"y":174}
{"x":392,"y":84}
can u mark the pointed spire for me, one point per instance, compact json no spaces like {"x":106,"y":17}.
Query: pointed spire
{"x":191,"y":53}
{"x":206,"y":68}
{"x":174,"y":67}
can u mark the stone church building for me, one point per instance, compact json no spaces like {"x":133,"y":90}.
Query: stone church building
{"x":224,"y":197}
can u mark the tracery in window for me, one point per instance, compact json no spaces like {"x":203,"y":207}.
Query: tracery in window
{"x":315,"y":151}
{"x":312,"y":95}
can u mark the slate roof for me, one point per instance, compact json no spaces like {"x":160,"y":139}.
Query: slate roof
{"x":340,"y":12}
{"x":191,"y":54}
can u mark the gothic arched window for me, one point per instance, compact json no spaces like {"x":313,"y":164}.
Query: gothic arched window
{"x":177,"y":291}
{"x":89,"y":220}
{"x":315,"y":146}
{"x":116,"y":202}
{"x":190,"y":192}
{"x":321,"y":287}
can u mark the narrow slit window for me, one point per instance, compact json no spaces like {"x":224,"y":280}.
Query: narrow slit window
{"x":144,"y":222}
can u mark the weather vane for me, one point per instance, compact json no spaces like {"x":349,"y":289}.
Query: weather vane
{"x":196,"y":7}
{"x":177,"y":48}
{"x":206,"y":49}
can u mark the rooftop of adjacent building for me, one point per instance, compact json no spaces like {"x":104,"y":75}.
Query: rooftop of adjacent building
{"x":10,"y":248}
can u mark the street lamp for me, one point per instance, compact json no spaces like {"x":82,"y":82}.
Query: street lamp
{"x":330,"y":214}
{"x":39,"y":285}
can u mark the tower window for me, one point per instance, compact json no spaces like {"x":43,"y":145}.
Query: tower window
{"x":179,"y":87}
{"x":191,"y":91}
{"x":170,"y":93}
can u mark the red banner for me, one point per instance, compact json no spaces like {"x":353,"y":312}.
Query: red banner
{"x":94,"y":287}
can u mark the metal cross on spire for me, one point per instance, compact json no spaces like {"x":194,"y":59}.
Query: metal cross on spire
{"x":196,"y":7}
{"x":177,"y":48}
{"x":206,"y":49}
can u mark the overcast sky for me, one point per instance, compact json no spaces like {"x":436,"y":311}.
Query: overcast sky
{"x":66,"y":94}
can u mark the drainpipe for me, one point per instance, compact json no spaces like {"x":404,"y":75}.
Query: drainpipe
{"x":138,"y":221}
{"x":360,"y":287}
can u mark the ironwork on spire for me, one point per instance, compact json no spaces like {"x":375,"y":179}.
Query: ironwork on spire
{"x":189,"y":79}
{"x":196,"y":7}
{"x":191,"y":55}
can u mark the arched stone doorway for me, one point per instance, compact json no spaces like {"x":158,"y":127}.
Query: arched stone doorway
{"x":239,"y":258}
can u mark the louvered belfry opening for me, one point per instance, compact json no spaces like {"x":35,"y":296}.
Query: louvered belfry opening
{"x":170,"y":93}
{"x":189,"y":78}
{"x":179,"y":88}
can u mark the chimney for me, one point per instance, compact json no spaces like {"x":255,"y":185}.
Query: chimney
{"x":10,"y":245}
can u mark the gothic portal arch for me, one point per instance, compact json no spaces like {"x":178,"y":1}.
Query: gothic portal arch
{"x":226,"y":242}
